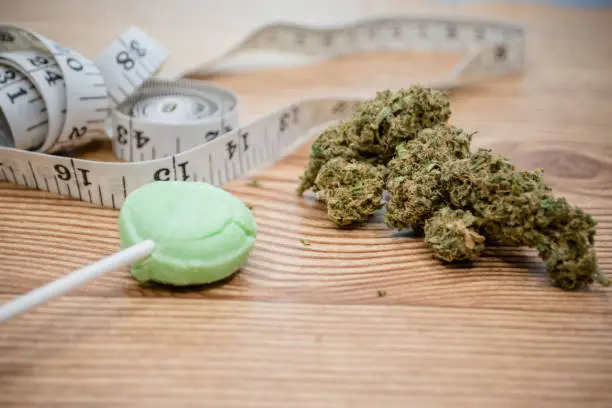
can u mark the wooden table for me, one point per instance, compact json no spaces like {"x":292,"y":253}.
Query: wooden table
{"x":304,"y":326}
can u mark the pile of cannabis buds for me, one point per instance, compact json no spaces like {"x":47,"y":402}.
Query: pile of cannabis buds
{"x":401,"y":143}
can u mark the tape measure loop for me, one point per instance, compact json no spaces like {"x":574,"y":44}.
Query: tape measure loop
{"x":167,"y":117}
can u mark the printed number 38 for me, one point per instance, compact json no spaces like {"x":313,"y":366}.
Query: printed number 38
{"x":126,"y":60}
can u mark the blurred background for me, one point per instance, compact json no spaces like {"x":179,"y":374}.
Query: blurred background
{"x":197,"y":30}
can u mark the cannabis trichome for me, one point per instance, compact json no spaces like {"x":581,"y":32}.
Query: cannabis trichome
{"x":460,"y":200}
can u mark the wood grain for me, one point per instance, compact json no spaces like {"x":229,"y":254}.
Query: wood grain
{"x":363,"y":317}
{"x":91,"y":352}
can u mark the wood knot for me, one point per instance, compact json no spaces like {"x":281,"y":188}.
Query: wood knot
{"x":566,"y":164}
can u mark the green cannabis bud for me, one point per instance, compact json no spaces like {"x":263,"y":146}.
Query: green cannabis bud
{"x":415,"y":172}
{"x":452,"y":235}
{"x":352,"y":190}
{"x":461,"y":201}
{"x":516,"y":208}
{"x":330,"y":144}
{"x":373,"y":132}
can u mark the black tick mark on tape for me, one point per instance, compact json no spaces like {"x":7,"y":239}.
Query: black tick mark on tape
{"x":33,"y":175}
{"x":100,"y":193}
{"x":13,"y":173}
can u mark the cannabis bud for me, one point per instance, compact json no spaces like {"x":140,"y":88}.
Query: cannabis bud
{"x":459,"y":200}
{"x":376,"y":128}
{"x":352,"y":189}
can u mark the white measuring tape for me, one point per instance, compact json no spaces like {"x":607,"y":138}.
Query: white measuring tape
{"x":52,"y":97}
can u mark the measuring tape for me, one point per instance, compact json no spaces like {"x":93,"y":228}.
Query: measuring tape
{"x":53,"y":98}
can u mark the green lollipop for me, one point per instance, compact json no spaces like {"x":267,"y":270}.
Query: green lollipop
{"x":202,"y":233}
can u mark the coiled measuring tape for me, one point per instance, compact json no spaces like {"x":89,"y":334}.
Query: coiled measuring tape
{"x":51,"y":98}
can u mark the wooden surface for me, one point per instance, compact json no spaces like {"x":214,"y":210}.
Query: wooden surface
{"x":304,"y":326}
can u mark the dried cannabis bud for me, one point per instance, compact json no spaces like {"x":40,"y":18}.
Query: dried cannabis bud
{"x":460,"y":200}
{"x":377,"y":127}
{"x":452,"y":235}
{"x":330,"y":144}
{"x":352,"y":190}
{"x":516,"y":208}
{"x":414,"y":175}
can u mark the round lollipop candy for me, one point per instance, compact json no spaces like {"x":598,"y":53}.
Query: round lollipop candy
{"x":171,"y":232}
{"x":202,"y":233}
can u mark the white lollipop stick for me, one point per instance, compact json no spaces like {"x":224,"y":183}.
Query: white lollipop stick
{"x":74,"y":279}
